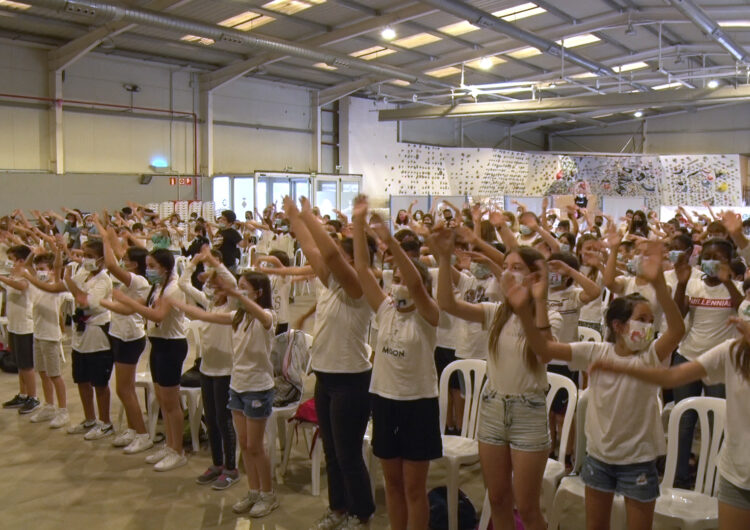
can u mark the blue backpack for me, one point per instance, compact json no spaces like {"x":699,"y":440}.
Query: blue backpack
{"x":438,"y":499}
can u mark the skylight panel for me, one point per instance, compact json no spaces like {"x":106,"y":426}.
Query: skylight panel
{"x":459,"y":28}
{"x":324,"y":66}
{"x":630,"y":66}
{"x":734,"y":23}
{"x":14,"y":5}
{"x":579,"y":40}
{"x":493,"y":58}
{"x":199,"y":40}
{"x":399,"y":82}
{"x":290,"y":7}
{"x":519,"y":12}
{"x":374,"y":52}
{"x":444,"y":72}
{"x":246,"y":21}
{"x":420,"y":39}
{"x":667,"y":85}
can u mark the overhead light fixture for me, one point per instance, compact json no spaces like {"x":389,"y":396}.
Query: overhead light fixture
{"x":553,"y":85}
{"x":713,"y":83}
{"x":388,"y":33}
{"x":474,"y":92}
{"x":485,"y":63}
{"x":638,"y":114}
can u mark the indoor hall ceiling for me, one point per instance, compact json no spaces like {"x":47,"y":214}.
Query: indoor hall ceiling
{"x":434,"y":56}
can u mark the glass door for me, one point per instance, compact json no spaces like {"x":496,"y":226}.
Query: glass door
{"x":244,"y":196}
{"x":300,"y":188}
{"x":350,"y":188}
{"x":221,"y":191}
{"x":327,"y":195}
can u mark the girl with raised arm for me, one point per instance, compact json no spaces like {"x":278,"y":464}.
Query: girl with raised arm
{"x":513,"y":433}
{"x":404,"y":388}
{"x":623,"y":423}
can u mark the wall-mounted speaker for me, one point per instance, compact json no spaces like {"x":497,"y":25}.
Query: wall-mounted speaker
{"x":145,"y":179}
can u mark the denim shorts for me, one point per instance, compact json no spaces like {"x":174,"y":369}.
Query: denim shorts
{"x":517,"y":420}
{"x":639,"y":482}
{"x":256,"y":405}
{"x":733,"y":495}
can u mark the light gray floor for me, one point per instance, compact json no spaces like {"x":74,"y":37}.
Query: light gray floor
{"x":55,"y":480}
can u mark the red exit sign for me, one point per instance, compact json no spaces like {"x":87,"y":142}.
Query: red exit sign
{"x":181,"y":181}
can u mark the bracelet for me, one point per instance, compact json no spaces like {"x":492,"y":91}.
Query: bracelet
{"x":543,"y":328}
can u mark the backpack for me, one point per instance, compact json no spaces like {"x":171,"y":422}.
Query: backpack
{"x":438,"y":500}
{"x":289,"y":357}
{"x":8,"y":362}
{"x":192,"y":377}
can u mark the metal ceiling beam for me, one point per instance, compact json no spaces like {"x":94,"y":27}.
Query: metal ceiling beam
{"x":709,"y":26}
{"x":334,"y":93}
{"x":97,"y":10}
{"x":70,"y":52}
{"x":573,"y":104}
{"x":233,"y":71}
{"x":486,"y":20}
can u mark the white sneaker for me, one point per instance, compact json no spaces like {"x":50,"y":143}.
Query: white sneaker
{"x":246,"y":503}
{"x":330,"y":521}
{"x":140,"y":443}
{"x":43,"y":413}
{"x":102,"y":430}
{"x":157,"y":455}
{"x":83,"y":427}
{"x":124,"y":438}
{"x":265,"y":504}
{"x":173,"y":460}
{"x":61,"y":419}
{"x":353,"y":523}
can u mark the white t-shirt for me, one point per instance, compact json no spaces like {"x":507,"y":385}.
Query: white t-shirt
{"x":217,"y":344}
{"x":281,"y":287}
{"x":623,"y":421}
{"x":734,"y":457}
{"x":709,"y":309}
{"x":507,"y":370}
{"x":341,"y":322}
{"x":19,"y":311}
{"x":46,"y":312}
{"x":97,"y":287}
{"x":568,"y":303}
{"x":252,"y":370}
{"x":404,"y":355}
{"x":173,"y":325}
{"x":592,"y":312}
{"x":128,"y":328}
{"x":448,"y":326}
{"x":473,"y":338}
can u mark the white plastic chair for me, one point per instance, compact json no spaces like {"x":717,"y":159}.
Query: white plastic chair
{"x":555,"y":469}
{"x":462,"y":449}
{"x":193,"y":402}
{"x":193,"y":336}
{"x":588,"y":335}
{"x":697,"y":509}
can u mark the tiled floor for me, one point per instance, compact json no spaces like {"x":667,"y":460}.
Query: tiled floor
{"x":51,"y":479}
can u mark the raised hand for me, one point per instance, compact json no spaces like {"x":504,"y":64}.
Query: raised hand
{"x":466,"y":234}
{"x":540,"y":281}
{"x":378,"y":226}
{"x":360,"y":207}
{"x":442,"y":241}
{"x":651,"y":264}
{"x":731,"y":221}
{"x":683,"y":271}
{"x":516,"y":294}
{"x":290,"y":208}
{"x":613,"y":240}
{"x":305,"y":205}
{"x":559,"y":266}
{"x":497,"y":219}
{"x":725,"y":273}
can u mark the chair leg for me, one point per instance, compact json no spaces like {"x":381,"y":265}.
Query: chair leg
{"x":287,"y":447}
{"x":271,"y":436}
{"x":486,"y":517}
{"x":317,"y":458}
{"x":153,"y":416}
{"x":194,"y":415}
{"x":452,"y":492}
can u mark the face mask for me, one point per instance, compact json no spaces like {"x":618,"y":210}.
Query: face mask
{"x":746,"y":231}
{"x":675,"y":255}
{"x":634,"y":265}
{"x":208,"y":291}
{"x":153,"y":276}
{"x":518,"y":276}
{"x":42,"y":276}
{"x":598,"y":222}
{"x":554,"y":279}
{"x":479,"y":270}
{"x":89,"y":264}
{"x":710,"y":267}
{"x":639,"y":335}
{"x":9,"y":264}
{"x":744,"y":310}
{"x":222,"y":225}
{"x":400,"y":294}
{"x":525,"y":230}
{"x":387,"y":266}
{"x":564,"y":248}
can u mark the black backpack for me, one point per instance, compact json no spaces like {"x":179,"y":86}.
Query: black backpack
{"x":8,"y":362}
{"x":438,"y":499}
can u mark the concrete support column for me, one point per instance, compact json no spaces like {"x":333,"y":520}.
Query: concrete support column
{"x":56,"y":145}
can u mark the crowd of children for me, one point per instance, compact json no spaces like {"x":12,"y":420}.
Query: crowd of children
{"x":471,"y":282}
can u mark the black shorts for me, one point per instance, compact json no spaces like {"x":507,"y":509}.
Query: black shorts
{"x":22,"y":348}
{"x":443,"y":357}
{"x":406,"y":429}
{"x":127,"y":352}
{"x":282,"y":328}
{"x":560,"y":402}
{"x":94,"y":368}
{"x":167,"y":356}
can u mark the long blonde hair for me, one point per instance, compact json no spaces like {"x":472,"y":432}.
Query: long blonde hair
{"x":529,"y":256}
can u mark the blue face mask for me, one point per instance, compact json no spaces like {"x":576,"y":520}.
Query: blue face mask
{"x":525,"y":230}
{"x":480,"y":270}
{"x":153,"y":276}
{"x":710,"y":267}
{"x":564,"y":248}
{"x":675,"y":255}
{"x":555,"y":279}
{"x":634,"y":265}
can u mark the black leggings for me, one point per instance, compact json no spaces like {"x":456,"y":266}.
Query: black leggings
{"x":342,"y":402}
{"x":221,"y":437}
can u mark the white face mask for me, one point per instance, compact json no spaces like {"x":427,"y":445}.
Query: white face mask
{"x":208,"y":291}
{"x":518,"y":276}
{"x":401,"y":295}
{"x":639,"y":335}
{"x":89,"y":264}
{"x":42,"y":276}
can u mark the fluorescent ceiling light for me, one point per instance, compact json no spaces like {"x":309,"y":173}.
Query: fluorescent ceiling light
{"x":444,"y":72}
{"x":324,"y":66}
{"x":388,"y":33}
{"x":630,"y":66}
{"x":713,"y":83}
{"x":290,"y":7}
{"x":734,"y":23}
{"x":420,"y":39}
{"x":14,"y":5}
{"x":667,"y":85}
{"x":371,"y":53}
{"x":195,"y":38}
{"x":570,"y":42}
{"x":510,"y":14}
{"x":638,"y":113}
{"x":246,"y":21}
{"x":602,"y":116}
